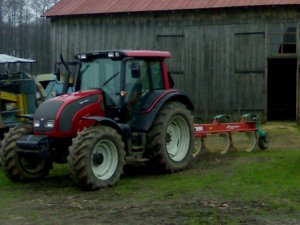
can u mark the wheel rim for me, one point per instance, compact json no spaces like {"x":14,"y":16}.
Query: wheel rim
{"x":104,"y":159}
{"x":177,"y":138}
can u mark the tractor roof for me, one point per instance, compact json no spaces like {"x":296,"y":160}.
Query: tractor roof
{"x":147,"y":53}
{"x":123,"y":53}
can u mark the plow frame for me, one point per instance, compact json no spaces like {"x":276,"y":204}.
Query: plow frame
{"x":248,"y":124}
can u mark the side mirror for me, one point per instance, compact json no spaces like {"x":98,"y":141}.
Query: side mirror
{"x":135,"y":70}
{"x":57,"y":73}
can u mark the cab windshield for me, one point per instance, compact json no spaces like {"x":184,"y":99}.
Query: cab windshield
{"x":103,"y":73}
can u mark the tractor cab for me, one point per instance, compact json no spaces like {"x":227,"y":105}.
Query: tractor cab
{"x":124,"y":77}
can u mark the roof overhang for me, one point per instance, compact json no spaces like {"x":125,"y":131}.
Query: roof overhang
{"x":4,"y":59}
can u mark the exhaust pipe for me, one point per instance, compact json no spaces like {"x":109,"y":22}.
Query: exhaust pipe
{"x":67,"y":76}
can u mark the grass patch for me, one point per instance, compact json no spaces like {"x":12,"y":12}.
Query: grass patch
{"x":271,"y":178}
{"x":272,"y":175}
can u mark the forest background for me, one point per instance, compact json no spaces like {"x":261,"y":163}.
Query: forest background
{"x":24,"y":33}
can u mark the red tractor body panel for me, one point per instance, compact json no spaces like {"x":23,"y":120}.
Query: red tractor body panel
{"x":80,"y":104}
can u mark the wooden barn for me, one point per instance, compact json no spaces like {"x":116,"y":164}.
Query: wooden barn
{"x":229,"y":56}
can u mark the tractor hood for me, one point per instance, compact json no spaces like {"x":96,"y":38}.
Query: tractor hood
{"x":76,"y":96}
{"x":58,"y":113}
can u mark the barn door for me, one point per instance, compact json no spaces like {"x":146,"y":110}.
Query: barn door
{"x":250,"y":72}
{"x":172,"y":39}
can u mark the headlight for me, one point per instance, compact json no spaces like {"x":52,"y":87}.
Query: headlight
{"x":49,"y":124}
{"x":36,"y":123}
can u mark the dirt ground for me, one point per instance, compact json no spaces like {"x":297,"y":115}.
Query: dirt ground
{"x":55,"y":200}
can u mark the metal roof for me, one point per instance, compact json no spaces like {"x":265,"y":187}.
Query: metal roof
{"x":11,"y":59}
{"x":86,"y":7}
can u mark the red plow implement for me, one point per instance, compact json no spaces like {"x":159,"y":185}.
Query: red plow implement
{"x":248,"y":124}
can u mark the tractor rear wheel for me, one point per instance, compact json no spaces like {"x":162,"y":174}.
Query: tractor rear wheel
{"x":170,"y":139}
{"x":96,"y":157}
{"x":20,"y":167}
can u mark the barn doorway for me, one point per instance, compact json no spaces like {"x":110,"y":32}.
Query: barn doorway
{"x":282,"y":77}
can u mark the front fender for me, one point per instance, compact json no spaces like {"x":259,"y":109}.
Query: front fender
{"x":123,"y":129}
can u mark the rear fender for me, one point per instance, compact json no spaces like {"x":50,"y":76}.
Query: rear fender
{"x":152,"y":104}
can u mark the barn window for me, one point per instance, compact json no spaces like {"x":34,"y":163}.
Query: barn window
{"x":282,"y":38}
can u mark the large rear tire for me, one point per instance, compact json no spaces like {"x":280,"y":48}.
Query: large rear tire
{"x":96,"y":158}
{"x":170,"y":139}
{"x":18,"y":167}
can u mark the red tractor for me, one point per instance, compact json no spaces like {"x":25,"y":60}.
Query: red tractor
{"x":123,"y":107}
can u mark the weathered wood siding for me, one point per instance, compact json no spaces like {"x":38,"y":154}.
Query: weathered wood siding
{"x":219,"y":56}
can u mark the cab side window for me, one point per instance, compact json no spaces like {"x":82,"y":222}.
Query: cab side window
{"x":134,"y":86}
{"x":150,"y":79}
{"x":155,"y":75}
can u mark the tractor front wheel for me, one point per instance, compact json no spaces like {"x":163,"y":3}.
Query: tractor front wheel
{"x":21,"y":167}
{"x":96,"y":158}
{"x":170,"y":139}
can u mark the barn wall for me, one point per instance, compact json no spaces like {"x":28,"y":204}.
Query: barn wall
{"x":219,"y":56}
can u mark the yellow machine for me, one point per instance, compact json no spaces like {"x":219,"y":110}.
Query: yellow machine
{"x":14,"y":105}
